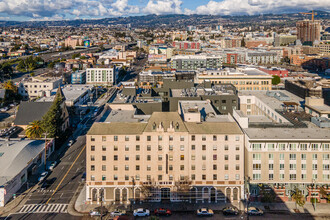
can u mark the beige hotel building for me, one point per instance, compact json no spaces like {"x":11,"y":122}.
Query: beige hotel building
{"x":191,"y":155}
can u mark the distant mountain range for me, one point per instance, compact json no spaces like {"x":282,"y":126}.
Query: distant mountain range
{"x":173,"y":20}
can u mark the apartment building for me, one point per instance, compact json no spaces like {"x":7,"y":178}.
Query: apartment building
{"x":38,"y":86}
{"x":192,"y":155}
{"x":101,"y":75}
{"x":283,"y":149}
{"x":78,"y":77}
{"x":194,"y":62}
{"x":308,"y":31}
{"x":241,"y":78}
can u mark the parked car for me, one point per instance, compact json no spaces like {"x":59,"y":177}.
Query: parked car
{"x":118,"y":212}
{"x":70,"y":143}
{"x":230,"y":211}
{"x":52,"y":165}
{"x":83,"y":177}
{"x":254,"y":211}
{"x":47,"y":183}
{"x":162,"y":211}
{"x":141,"y":212}
{"x":43,"y":176}
{"x":205,"y":212}
{"x":98,"y":210}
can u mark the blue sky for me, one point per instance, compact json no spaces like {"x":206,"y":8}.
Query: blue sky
{"x":23,"y":10}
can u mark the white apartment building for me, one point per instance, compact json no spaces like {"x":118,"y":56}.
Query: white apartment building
{"x":101,"y":75}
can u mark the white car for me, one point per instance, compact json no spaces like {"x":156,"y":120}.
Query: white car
{"x":43,"y":176}
{"x":118,"y":212}
{"x":52,"y":165}
{"x":205,"y":212}
{"x":70,"y":143}
{"x":141,"y":212}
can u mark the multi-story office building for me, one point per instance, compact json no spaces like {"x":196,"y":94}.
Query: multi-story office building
{"x":101,"y":75}
{"x":283,"y":149}
{"x":256,"y":58}
{"x":192,"y":155}
{"x":38,"y":86}
{"x":194,"y":62}
{"x":308,"y":31}
{"x":241,"y":78}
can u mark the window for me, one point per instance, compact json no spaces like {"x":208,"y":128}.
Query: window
{"x":160,"y":177}
{"x":203,"y":167}
{"x":126,"y":167}
{"x":160,"y":137}
{"x":137,"y":157}
{"x":314,"y":176}
{"x":237,"y":167}
{"x":92,"y":148}
{"x":193,"y":147}
{"x":271,"y":176}
{"x":281,"y":156}
{"x":281,"y":176}
{"x":303,"y":176}
{"x":148,"y":147}
{"x":226,"y":137}
{"x":315,"y":147}
{"x":92,"y":158}
{"x":303,"y":166}
{"x":126,"y":148}
{"x":215,"y":157}
{"x":325,"y":166}
{"x":181,"y":157}
{"x":314,"y":166}
{"x":293,"y":176}
{"x":303,"y":147}
{"x":181,"y":167}
{"x":160,"y":147}
{"x":237,"y":147}
{"x":237,"y":177}
{"x":203,"y":157}
{"x":126,"y":157}
{"x":104,"y":138}
{"x":137,"y":138}
{"x":160,"y":167}
{"x":314,"y":156}
{"x":104,"y":148}
{"x":104,"y":167}
{"x":126,"y":177}
{"x":104,"y":158}
{"x":326,"y":157}
{"x":193,"y":137}
{"x":193,"y":177}
{"x":215,"y":167}
{"x":203,"y":177}
{"x":137,"y":147}
{"x":214,"y":147}
{"x":137,"y":167}
{"x":115,"y":138}
{"x":182,"y":147}
{"x":192,"y":157}
{"x":325,"y":147}
{"x":92,"y":178}
{"x":271,"y":156}
{"x":115,"y":177}
{"x":256,"y":146}
{"x":303,"y":156}
{"x":271,"y":147}
{"x":193,"y":167}
{"x":181,"y":138}
{"x":203,"y":147}
{"x":92,"y":139}
{"x":237,"y":138}
{"x":148,"y":138}
{"x":126,"y":138}
{"x":160,"y":157}
{"x":226,"y":167}
{"x":281,"y":146}
{"x":203,"y":138}
{"x":226,"y":147}
{"x":170,"y":167}
{"x":293,"y":166}
{"x":92,"y":168}
{"x":271,"y":166}
{"x":237,"y":157}
{"x":170,"y":148}
{"x":115,"y":167}
{"x":256,"y":166}
{"x":148,"y":167}
{"x":281,"y":166}
{"x":115,"y":157}
{"x":170,"y":157}
{"x":326,"y":177}
{"x":256,"y":156}
{"x":226,"y":176}
{"x":148,"y":157}
{"x":214,"y":137}
{"x":256,"y":176}
{"x":170,"y":138}
{"x":292,"y":156}
{"x":292,"y":147}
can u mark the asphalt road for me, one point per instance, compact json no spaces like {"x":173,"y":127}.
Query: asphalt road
{"x":48,"y":216}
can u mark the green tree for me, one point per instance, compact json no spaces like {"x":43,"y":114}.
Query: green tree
{"x":276,"y":80}
{"x":35,"y":130}
{"x":53,"y":121}
{"x":243,"y":42}
{"x":76,"y":55}
{"x":6,"y":70}
{"x":298,"y":197}
{"x":325,"y":194}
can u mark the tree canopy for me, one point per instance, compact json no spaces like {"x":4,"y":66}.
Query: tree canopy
{"x":276,"y":80}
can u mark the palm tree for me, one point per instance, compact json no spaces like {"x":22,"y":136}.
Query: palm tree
{"x":34,"y":130}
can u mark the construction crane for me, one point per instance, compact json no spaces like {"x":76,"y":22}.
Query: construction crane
{"x":310,"y":13}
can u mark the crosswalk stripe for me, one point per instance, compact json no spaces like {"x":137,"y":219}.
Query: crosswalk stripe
{"x":43,"y":208}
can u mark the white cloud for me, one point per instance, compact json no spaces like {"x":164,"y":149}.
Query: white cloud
{"x":230,"y":7}
{"x":163,"y":7}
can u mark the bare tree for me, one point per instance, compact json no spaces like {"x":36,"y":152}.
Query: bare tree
{"x":183,"y":188}
{"x":148,"y":189}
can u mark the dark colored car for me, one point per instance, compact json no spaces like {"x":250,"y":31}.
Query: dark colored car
{"x":47,"y":183}
{"x":162,"y":211}
{"x":230,"y":211}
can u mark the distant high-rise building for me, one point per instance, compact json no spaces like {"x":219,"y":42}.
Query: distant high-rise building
{"x":308,"y":30}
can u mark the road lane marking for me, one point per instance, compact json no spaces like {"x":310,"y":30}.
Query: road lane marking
{"x":66,"y":174}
